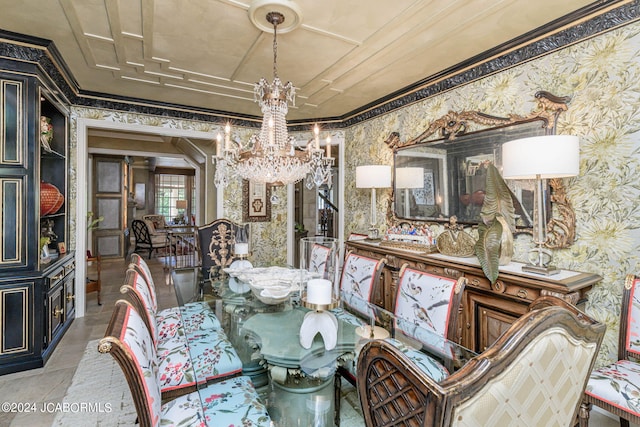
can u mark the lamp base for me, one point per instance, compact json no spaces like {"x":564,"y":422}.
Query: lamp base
{"x":374,"y":233}
{"x":548,"y":270}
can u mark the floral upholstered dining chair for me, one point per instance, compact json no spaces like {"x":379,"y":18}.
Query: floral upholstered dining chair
{"x":426,"y":309}
{"x":360,"y":275}
{"x":616,"y":387}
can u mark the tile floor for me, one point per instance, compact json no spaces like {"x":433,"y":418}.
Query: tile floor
{"x":50,"y":383}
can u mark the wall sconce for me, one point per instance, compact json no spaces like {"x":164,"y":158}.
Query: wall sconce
{"x":373,"y":176}
{"x":540,"y":158}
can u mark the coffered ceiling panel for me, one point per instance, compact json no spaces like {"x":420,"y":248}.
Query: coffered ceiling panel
{"x":208,"y":54}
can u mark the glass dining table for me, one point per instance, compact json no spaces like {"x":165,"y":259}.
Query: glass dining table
{"x":297,"y":383}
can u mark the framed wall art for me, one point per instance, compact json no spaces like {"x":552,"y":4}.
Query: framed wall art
{"x":256,"y":203}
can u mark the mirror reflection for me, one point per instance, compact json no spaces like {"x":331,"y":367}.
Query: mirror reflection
{"x":442,"y":178}
{"x":441,"y":172}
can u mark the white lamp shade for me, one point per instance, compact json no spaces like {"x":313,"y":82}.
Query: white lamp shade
{"x":549,"y":156}
{"x":373,"y":176}
{"x":181,"y":204}
{"x":409,"y":178}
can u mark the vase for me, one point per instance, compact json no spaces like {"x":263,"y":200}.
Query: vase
{"x":506,"y":242}
{"x":50,"y":198}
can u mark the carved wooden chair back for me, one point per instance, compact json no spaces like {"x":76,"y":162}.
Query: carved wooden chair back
{"x":94,"y":284}
{"x":615,"y":387}
{"x":545,"y":356}
{"x":215,"y":243}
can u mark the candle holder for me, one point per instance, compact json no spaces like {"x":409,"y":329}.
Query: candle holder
{"x":319,"y":321}
{"x":318,"y":268}
{"x":241,"y":247}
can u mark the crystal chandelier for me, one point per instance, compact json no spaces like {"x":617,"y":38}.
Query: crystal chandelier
{"x":272,"y":156}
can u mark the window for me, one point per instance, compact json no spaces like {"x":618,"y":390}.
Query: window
{"x":170,"y":189}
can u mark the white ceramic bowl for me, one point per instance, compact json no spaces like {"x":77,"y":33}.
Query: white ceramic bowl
{"x":274,"y":294}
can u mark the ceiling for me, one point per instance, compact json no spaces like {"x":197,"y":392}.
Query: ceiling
{"x":208,"y":54}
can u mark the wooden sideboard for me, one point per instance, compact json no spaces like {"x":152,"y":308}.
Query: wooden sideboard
{"x":487,"y":310}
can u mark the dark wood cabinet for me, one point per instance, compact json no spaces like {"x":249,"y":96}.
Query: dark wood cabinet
{"x":487,"y":309}
{"x":37,"y":293}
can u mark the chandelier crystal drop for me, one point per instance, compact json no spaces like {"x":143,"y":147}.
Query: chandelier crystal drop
{"x":272,"y":156}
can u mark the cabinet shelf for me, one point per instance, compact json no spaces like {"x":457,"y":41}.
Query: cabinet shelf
{"x":54,"y":155}
{"x":59,"y":214}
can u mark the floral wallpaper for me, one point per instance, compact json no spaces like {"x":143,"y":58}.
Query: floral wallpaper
{"x":602,"y":76}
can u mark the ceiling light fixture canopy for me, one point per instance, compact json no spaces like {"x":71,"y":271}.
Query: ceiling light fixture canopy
{"x":272,"y":156}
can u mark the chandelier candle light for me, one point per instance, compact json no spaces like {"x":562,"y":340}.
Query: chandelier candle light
{"x":540,"y":158}
{"x":272,"y":157}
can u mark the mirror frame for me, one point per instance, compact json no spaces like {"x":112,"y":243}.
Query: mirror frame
{"x":561,"y":224}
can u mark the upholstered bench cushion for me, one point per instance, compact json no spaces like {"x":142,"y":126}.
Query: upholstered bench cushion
{"x":192,"y":317}
{"x":435,"y":343}
{"x":205,"y":356}
{"x":213,"y":355}
{"x":232,"y":402}
{"x":428,"y":365}
{"x":175,"y":369}
{"x":617,"y":384}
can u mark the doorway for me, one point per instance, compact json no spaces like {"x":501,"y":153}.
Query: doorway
{"x":316,"y":211}
{"x":109,"y":201}
{"x":85,"y":126}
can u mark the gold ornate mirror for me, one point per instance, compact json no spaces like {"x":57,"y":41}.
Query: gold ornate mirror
{"x":441,"y":172}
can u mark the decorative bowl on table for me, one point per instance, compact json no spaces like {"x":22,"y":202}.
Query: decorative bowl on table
{"x":275,"y":294}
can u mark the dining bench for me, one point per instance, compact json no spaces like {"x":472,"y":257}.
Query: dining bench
{"x":189,"y":337}
{"x":233,"y":401}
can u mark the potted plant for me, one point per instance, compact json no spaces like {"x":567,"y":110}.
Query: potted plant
{"x":92,"y":224}
{"x":497,"y":224}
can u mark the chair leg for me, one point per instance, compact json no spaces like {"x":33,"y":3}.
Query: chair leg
{"x":337,"y":394}
{"x":583,"y":414}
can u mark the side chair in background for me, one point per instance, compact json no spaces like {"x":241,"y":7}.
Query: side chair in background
{"x":616,"y":387}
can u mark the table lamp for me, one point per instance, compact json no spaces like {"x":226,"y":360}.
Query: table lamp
{"x":373,"y":176}
{"x":181,"y":206}
{"x":540,"y":158}
{"x":407,"y":178}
